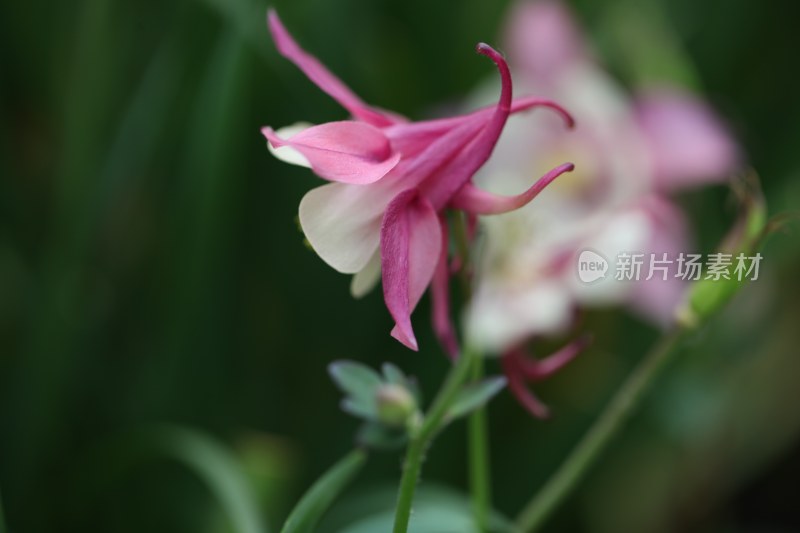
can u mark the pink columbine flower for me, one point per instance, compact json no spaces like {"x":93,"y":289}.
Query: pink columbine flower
{"x":392,"y":179}
{"x":630,"y":152}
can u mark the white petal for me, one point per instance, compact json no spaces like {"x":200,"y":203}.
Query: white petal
{"x":287,"y":153}
{"x":627,"y":231}
{"x":501,"y":316}
{"x":342,"y":222}
{"x":365,"y":279}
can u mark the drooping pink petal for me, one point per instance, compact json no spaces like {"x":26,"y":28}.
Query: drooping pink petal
{"x":477,"y":201}
{"x":542,"y":39}
{"x":323,"y":78}
{"x":462,"y":166}
{"x":519,"y":388}
{"x":688,"y":144}
{"x":411,"y":242}
{"x":346,"y":151}
{"x":440,"y":299}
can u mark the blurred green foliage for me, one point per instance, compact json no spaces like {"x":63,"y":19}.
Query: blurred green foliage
{"x":151,"y":270}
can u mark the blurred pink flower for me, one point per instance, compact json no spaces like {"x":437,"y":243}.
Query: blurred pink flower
{"x":629,"y":153}
{"x":393,"y":179}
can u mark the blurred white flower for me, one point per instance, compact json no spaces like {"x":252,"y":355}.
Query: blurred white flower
{"x":629,"y":153}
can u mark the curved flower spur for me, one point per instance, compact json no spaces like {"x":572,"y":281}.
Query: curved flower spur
{"x":392,"y":180}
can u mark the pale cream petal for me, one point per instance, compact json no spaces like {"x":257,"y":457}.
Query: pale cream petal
{"x":287,"y":153}
{"x":365,"y":279}
{"x":342,"y":222}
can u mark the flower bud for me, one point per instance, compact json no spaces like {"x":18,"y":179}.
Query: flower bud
{"x":395,"y":403}
{"x":706,"y":296}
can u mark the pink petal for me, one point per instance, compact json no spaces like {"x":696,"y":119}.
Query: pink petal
{"x":347,"y":151}
{"x":323,"y":78}
{"x":411,"y":240}
{"x":542,"y":39}
{"x":462,"y":165}
{"x":440,"y":299}
{"x":480,"y":202}
{"x":414,"y":138}
{"x":526,"y":103}
{"x":441,"y":155}
{"x":688,"y":143}
{"x":540,"y":369}
{"x":518,"y":387}
{"x":437,"y":154}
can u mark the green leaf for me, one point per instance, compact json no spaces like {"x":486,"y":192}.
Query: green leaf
{"x":356,"y":380}
{"x":427,"y":520}
{"x":475,"y":395}
{"x":393,"y":374}
{"x":360,"y":408}
{"x":218,"y":469}
{"x":437,"y":509}
{"x":323,"y":492}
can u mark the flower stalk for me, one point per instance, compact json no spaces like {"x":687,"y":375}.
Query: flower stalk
{"x":477,"y":425}
{"x":702,"y":302}
{"x":479,"y":465}
{"x":622,"y":405}
{"x":419,"y":442}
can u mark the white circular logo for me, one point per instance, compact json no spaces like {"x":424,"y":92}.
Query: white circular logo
{"x":591,"y":266}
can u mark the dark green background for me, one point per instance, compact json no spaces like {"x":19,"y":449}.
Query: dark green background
{"x":151,"y":269}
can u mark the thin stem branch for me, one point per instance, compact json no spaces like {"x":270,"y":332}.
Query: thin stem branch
{"x":577,"y":464}
{"x":419,"y":443}
{"x":477,"y":432}
{"x":479,"y":468}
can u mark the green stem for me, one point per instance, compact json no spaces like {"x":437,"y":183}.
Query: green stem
{"x":479,"y":469}
{"x":624,"y":402}
{"x":422,"y":438}
{"x":478,"y":438}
